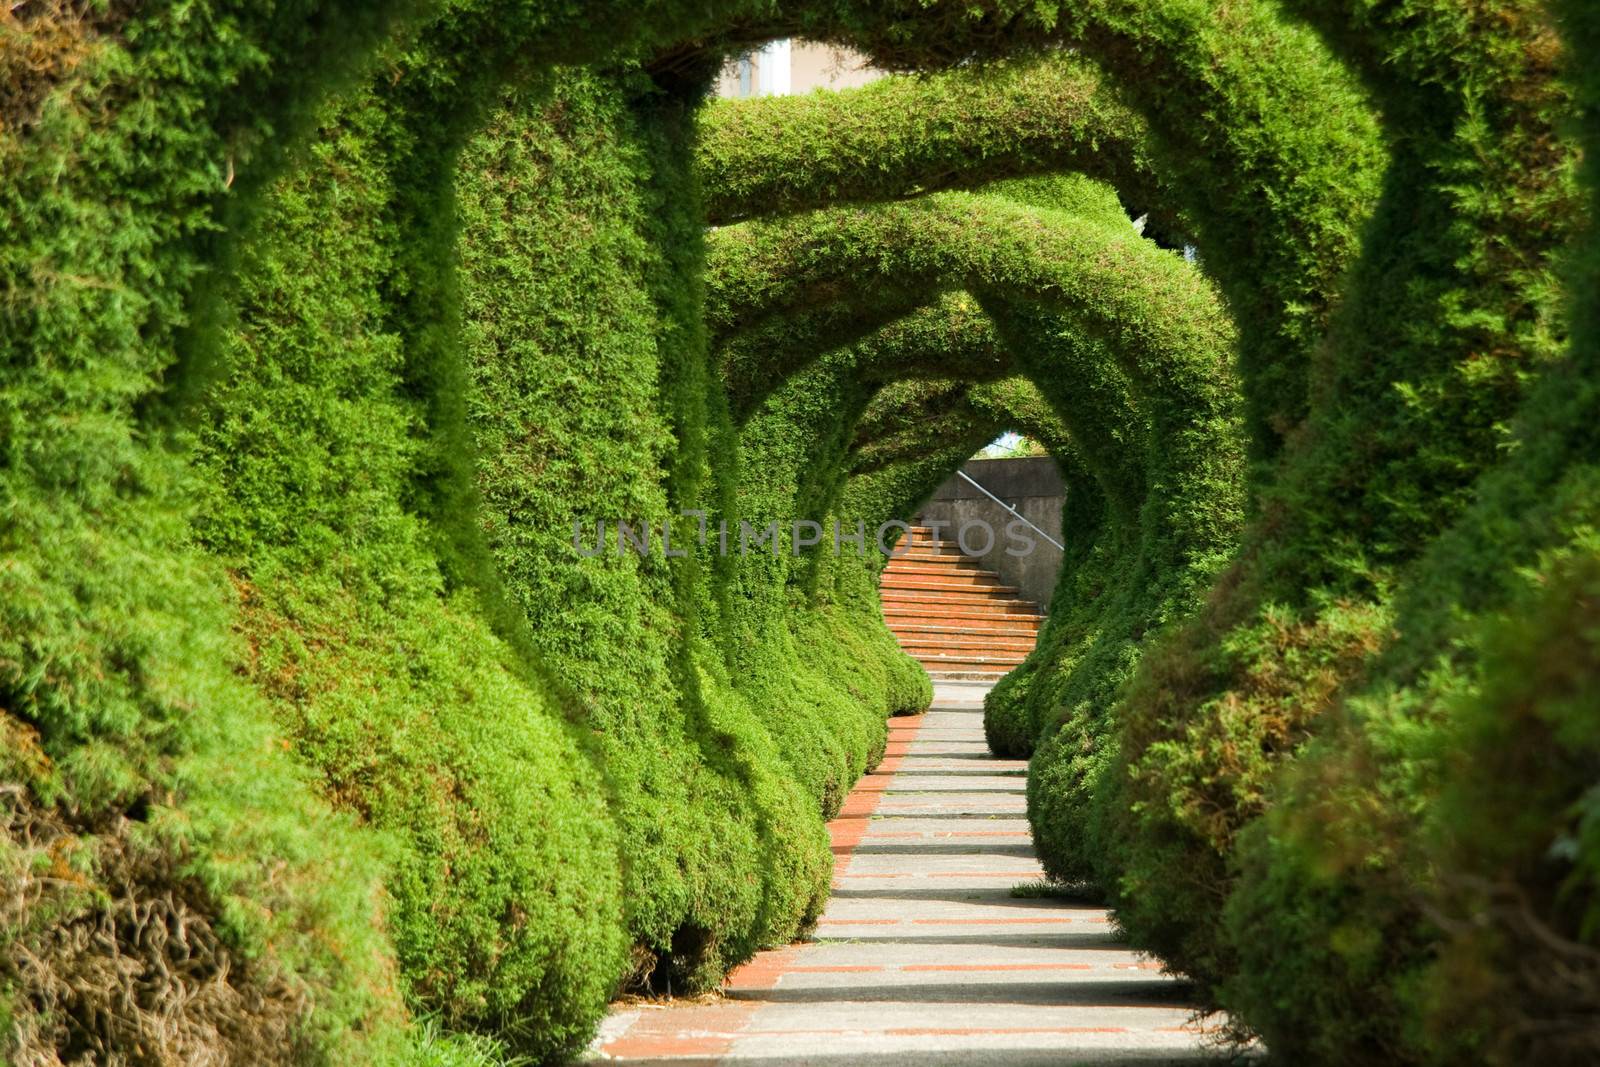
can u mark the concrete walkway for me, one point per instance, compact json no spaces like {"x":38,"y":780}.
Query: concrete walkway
{"x":924,"y":956}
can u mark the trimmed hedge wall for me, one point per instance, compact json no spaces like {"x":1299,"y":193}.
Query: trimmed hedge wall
{"x":321,"y":324}
{"x":145,"y":777}
{"x":1361,"y":594}
{"x":419,"y":717}
{"x":531,"y":805}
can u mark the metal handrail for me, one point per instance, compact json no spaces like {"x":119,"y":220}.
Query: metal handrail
{"x":1059,"y":546}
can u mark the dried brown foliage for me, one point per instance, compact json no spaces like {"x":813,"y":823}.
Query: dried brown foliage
{"x":41,"y":43}
{"x":111,"y":955}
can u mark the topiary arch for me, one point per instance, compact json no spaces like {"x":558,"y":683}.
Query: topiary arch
{"x":322,"y":324}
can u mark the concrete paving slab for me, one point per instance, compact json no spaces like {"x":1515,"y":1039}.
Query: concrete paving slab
{"x":923,"y":955}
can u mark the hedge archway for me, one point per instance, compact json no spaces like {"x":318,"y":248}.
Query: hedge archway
{"x":297,"y":384}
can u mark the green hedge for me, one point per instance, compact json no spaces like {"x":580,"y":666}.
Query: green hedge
{"x":1451,"y":310}
{"x":506,"y":910}
{"x":1147,"y":403}
{"x":149,"y":778}
{"x":1267,"y":148}
{"x":320,"y":324}
{"x":488,"y":759}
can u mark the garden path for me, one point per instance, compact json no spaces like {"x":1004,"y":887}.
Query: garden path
{"x":924,"y":956}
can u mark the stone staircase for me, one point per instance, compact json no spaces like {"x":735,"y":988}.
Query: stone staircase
{"x":954,"y":617}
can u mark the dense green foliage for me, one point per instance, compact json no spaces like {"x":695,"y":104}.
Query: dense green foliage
{"x":531,"y":808}
{"x":148,"y":775}
{"x":1326,"y":591}
{"x":904,"y":136}
{"x":325,"y":327}
{"x":419,"y":716}
{"x":1148,"y":400}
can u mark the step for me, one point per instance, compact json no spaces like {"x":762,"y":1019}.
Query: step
{"x":917,"y":644}
{"x":999,"y":655}
{"x":937,"y":676}
{"x":958,"y":579}
{"x":995,"y":670}
{"x":932,"y":559}
{"x":959,"y":595}
{"x":968,"y":637}
{"x":910,"y":627}
{"x":986,"y":584}
{"x":957,"y":565}
{"x":936,"y":627}
{"x":941,"y":597}
{"x":1008,"y":612}
{"x":966,"y":663}
{"x":999,"y":624}
{"x":960,"y":615}
{"x":933,"y":549}
{"x":921,"y":535}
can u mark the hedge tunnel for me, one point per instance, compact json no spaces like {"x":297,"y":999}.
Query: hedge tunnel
{"x":344,"y":347}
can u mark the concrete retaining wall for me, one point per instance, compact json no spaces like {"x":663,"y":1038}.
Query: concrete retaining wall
{"x":1033,"y":487}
